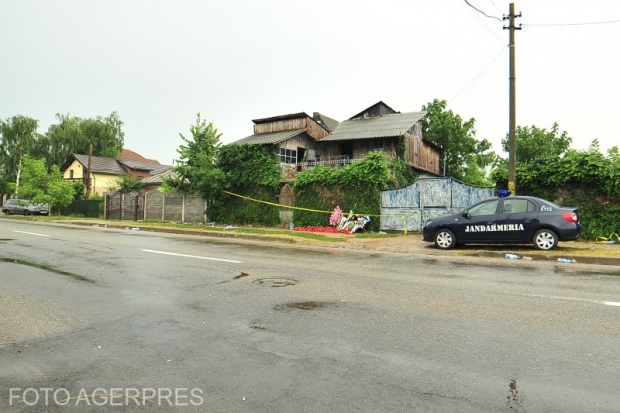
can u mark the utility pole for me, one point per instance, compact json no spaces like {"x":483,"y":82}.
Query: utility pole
{"x":90,"y":161}
{"x":512,"y":118}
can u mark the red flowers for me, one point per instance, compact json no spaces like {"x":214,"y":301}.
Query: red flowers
{"x":330,"y":230}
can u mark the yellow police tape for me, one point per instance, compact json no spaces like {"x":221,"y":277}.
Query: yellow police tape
{"x":288,"y":206}
{"x":610,"y":239}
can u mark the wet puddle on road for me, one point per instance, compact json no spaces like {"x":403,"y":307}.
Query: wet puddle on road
{"x":305,"y":305}
{"x":46,"y":267}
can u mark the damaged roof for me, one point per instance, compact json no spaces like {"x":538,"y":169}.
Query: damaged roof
{"x":273,"y":137}
{"x":281,"y":117}
{"x":396,"y":124}
{"x":325,"y":121}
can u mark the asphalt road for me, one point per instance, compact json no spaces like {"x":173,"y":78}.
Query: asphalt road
{"x":117,"y":320}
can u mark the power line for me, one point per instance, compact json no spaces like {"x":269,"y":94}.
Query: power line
{"x":544,"y":24}
{"x":493,"y":3}
{"x":479,"y":74}
{"x":573,"y":24}
{"x":481,"y":12}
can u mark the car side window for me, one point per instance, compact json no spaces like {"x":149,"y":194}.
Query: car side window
{"x":487,"y":208}
{"x":517,"y":206}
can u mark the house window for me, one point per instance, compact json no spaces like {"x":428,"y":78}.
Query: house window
{"x":378,"y":146}
{"x":287,"y":156}
{"x":70,"y":173}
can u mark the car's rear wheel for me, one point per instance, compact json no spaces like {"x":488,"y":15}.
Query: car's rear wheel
{"x":545,"y":239}
{"x":445,"y":239}
{"x":6,"y":211}
{"x":26,"y":212}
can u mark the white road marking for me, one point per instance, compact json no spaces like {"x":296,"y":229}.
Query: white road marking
{"x":30,"y":233}
{"x":583,"y":300}
{"x":192,"y":256}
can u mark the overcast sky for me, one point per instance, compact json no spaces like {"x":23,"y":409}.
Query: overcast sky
{"x":159,"y":63}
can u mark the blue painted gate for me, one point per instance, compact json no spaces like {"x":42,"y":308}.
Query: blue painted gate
{"x":412,"y":206}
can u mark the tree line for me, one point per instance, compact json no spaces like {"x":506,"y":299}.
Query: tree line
{"x":30,"y":161}
{"x":547,"y":166}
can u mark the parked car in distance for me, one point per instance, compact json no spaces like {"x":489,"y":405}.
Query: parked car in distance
{"x":506,"y":220}
{"x":24,"y":207}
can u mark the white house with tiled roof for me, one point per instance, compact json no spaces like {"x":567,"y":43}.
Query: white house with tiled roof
{"x":105,"y":172}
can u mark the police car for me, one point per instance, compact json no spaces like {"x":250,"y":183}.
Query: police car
{"x":506,"y":220}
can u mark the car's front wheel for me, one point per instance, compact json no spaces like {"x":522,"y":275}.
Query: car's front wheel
{"x":6,"y":211}
{"x":545,"y":240}
{"x":445,"y":239}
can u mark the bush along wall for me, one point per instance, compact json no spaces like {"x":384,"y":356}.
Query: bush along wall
{"x":356,"y":187}
{"x":232,"y":210}
{"x":587,"y":180}
{"x":598,"y":214}
{"x":251,"y":171}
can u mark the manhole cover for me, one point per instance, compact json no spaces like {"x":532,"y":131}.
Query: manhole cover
{"x":275,"y":282}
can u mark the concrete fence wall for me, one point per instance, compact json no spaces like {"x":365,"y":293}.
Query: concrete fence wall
{"x":155,"y":205}
{"x":174,"y":206}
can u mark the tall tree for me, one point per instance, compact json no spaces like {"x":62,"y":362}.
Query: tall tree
{"x":465,"y":157}
{"x":533,"y":142}
{"x":536,"y":149}
{"x":105,"y":134}
{"x":197,"y":170}
{"x":44,"y":186}
{"x":18,"y":138}
{"x":65,"y":137}
{"x":74,"y":135}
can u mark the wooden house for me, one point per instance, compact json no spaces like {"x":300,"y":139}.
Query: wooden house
{"x":303,"y":142}
{"x":293,"y":136}
{"x":381,"y":128}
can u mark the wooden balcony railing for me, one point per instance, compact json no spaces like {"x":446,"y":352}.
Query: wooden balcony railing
{"x":290,"y":170}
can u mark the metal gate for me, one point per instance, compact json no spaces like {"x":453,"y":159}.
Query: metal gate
{"x":412,"y":206}
{"x":119,"y":205}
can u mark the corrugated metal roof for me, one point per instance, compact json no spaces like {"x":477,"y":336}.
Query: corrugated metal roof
{"x":380,"y":127}
{"x":266,"y":138}
{"x":101,"y":164}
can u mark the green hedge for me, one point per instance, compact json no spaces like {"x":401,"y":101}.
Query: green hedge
{"x":356,"y":187}
{"x":587,"y":180}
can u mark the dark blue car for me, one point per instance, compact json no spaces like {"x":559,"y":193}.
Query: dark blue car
{"x":507,"y":220}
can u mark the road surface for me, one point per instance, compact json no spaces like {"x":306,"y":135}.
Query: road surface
{"x":93,"y":319}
